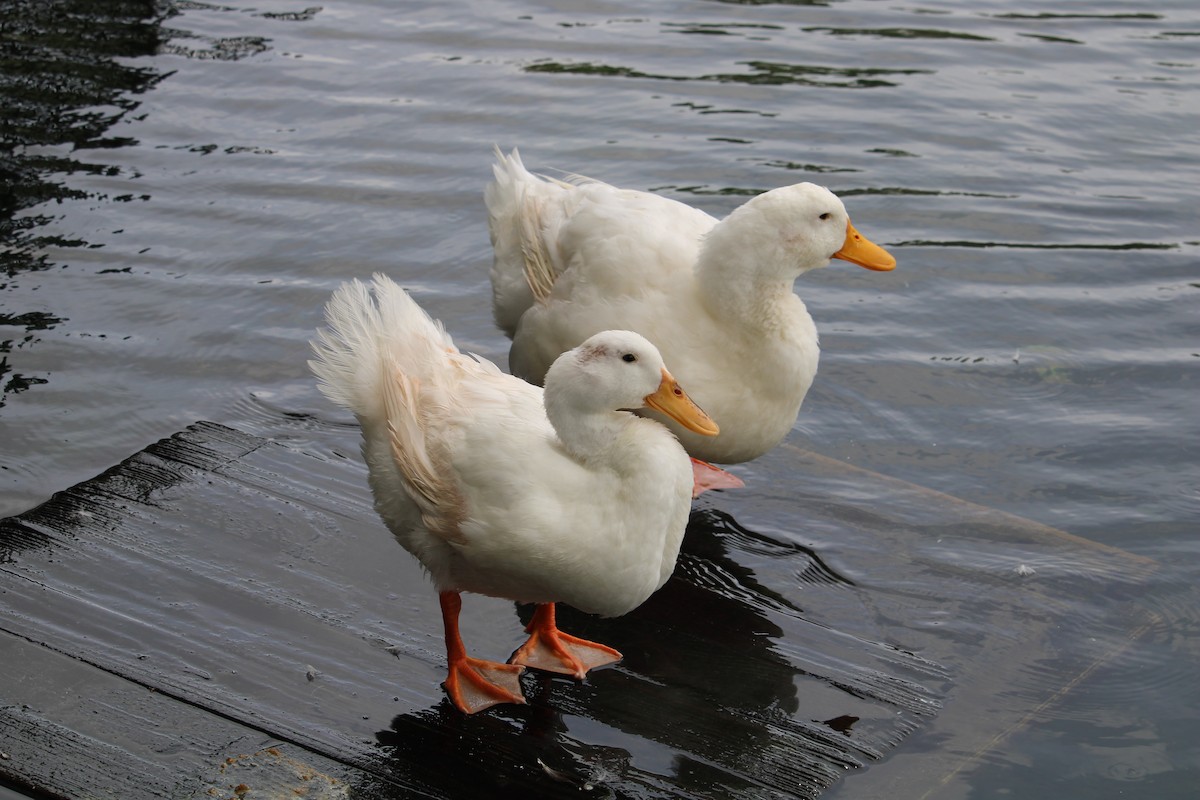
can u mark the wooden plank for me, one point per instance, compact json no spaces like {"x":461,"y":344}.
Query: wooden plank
{"x":1036,"y":595}
{"x":80,"y":731}
{"x":248,"y":589}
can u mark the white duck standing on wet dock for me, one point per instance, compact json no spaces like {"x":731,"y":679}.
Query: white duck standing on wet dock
{"x":505,"y":490}
{"x":714,"y":296}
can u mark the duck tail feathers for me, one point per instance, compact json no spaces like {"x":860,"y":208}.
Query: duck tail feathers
{"x":370,"y":328}
{"x":522,"y":272}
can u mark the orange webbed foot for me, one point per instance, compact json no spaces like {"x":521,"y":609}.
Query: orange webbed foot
{"x":551,"y":650}
{"x":705,"y":476}
{"x":474,"y":684}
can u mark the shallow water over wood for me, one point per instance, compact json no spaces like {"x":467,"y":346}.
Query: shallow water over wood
{"x":189,"y":182}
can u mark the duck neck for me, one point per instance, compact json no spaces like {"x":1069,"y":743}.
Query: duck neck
{"x":732,"y":292}
{"x":586,"y":435}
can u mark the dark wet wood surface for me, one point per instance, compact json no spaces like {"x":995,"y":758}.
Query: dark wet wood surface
{"x":222,"y":615}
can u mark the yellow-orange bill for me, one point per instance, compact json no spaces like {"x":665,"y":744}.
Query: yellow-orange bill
{"x":862,"y":251}
{"x":672,"y":400}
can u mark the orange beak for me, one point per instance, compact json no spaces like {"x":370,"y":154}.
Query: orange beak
{"x":862,"y":251}
{"x":670,"y":399}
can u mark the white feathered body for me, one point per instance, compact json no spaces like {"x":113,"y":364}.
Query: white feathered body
{"x":617,"y":258}
{"x":472,"y":479}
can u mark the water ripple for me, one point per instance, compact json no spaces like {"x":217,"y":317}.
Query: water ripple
{"x":1041,"y":245}
{"x":902,"y":33}
{"x":764,"y":73}
{"x":1033,"y":351}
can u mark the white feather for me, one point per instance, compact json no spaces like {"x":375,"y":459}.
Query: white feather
{"x":471,"y":476}
{"x":714,"y":296}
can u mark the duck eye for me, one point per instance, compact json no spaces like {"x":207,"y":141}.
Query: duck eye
{"x":826,"y":215}
{"x":629,"y":358}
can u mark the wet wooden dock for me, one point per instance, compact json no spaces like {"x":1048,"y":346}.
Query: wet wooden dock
{"x":223,"y":615}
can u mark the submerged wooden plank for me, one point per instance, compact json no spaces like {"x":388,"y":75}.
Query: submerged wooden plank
{"x":81,"y":731}
{"x":1044,"y":610}
{"x":250,"y":583}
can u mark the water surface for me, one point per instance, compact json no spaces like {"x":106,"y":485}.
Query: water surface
{"x":191,"y":181}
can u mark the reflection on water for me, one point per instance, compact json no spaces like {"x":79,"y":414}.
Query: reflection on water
{"x":903,"y":33}
{"x":62,"y":88}
{"x":442,"y":752}
{"x":243,"y":578}
{"x":30,"y":321}
{"x":706,"y":690}
{"x":763,"y":72}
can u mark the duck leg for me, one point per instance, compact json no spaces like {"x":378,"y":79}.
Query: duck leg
{"x":550,"y":649}
{"x":474,"y":684}
{"x":705,"y":476}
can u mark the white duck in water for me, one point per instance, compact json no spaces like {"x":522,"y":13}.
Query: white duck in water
{"x":505,"y":490}
{"x":714,"y":296}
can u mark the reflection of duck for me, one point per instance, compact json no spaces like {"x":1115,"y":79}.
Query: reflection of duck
{"x":704,"y":705}
{"x":529,"y":752}
{"x":714,"y":296}
{"x":502,"y":491}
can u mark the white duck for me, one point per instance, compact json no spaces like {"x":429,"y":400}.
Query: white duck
{"x":714,"y":296}
{"x":505,"y":490}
